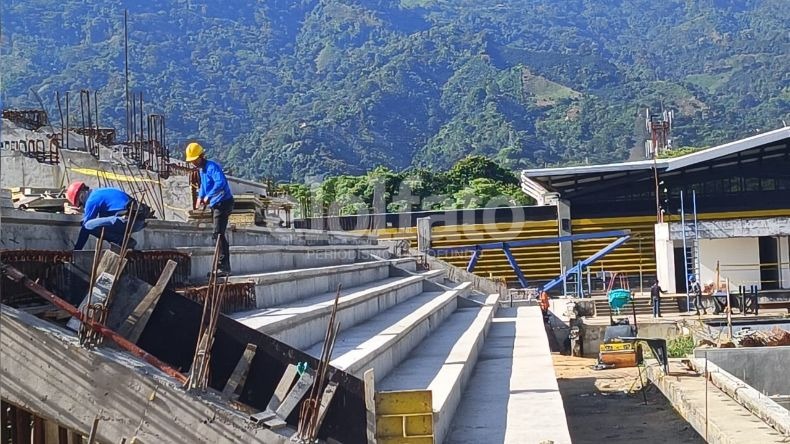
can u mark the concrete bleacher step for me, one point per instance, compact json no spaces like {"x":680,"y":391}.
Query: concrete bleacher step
{"x":268,"y":258}
{"x":386,"y":339}
{"x":302,"y":323}
{"x":513,"y":395}
{"x":444,"y":362}
{"x":282,"y":287}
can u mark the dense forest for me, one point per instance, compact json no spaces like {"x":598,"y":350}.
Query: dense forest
{"x":300,"y":90}
{"x":473,"y":182}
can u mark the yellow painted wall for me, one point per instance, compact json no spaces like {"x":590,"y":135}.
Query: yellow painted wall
{"x":542,"y":262}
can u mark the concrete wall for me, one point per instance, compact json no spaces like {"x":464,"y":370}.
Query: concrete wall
{"x":17,"y":170}
{"x":665,"y":258}
{"x":45,"y":231}
{"x":763,"y":368}
{"x":784,"y":258}
{"x":744,"y":227}
{"x":738,"y":258}
{"x":592,"y":335}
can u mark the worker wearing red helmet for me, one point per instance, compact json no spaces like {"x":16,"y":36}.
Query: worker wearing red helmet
{"x":215,"y":193}
{"x":106,"y":208}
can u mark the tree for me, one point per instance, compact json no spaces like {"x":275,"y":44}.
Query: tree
{"x":474,"y":167}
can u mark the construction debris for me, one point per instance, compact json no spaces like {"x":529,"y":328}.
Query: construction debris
{"x":774,"y":337}
{"x":49,"y":200}
{"x":239,"y":296}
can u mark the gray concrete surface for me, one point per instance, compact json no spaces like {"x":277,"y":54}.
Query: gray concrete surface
{"x":45,"y":231}
{"x":714,"y":415}
{"x":386,"y":339}
{"x":756,"y":402}
{"x":17,"y":170}
{"x":44,"y":370}
{"x":443,"y":363}
{"x":763,"y":368}
{"x":513,"y":395}
{"x":742,"y":227}
{"x":592,"y":331}
{"x":246,"y":259}
{"x":282,"y":287}
{"x":303,"y":323}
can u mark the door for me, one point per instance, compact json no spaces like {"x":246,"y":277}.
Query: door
{"x":769,"y":263}
{"x":680,"y":271}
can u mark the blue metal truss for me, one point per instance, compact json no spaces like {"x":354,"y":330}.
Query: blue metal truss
{"x":477,"y":250}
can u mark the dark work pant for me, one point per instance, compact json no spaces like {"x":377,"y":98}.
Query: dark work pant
{"x":698,"y":303}
{"x":656,"y":307}
{"x":114,"y":229}
{"x":221,"y":213}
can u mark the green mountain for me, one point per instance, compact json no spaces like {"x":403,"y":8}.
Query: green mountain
{"x":295,"y":88}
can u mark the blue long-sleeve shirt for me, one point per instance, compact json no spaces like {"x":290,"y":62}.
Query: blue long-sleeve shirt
{"x":213,"y":184}
{"x":101,"y":203}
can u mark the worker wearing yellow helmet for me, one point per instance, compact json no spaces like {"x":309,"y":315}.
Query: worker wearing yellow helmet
{"x":215,"y":193}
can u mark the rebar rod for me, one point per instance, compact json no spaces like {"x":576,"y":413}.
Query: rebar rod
{"x":15,"y":275}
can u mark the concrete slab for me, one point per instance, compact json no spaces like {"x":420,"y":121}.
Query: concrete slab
{"x":46,"y":231}
{"x":714,"y":415}
{"x":385,"y":340}
{"x":44,"y":370}
{"x":513,"y":395}
{"x":443,"y":363}
{"x":303,"y":323}
{"x":270,"y":258}
{"x":282,"y":287}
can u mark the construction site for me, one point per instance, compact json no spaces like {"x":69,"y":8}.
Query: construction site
{"x":523,"y":325}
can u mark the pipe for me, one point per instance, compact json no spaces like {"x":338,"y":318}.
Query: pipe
{"x":17,"y":276}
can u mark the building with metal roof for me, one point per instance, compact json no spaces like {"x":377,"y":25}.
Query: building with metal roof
{"x":741,"y":191}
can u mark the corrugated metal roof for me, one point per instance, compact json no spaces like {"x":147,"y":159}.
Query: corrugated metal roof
{"x":666,"y":164}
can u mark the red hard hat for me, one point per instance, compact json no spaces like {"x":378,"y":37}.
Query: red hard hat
{"x":73,"y":191}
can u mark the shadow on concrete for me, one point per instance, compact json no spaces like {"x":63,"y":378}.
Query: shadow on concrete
{"x":482,"y":415}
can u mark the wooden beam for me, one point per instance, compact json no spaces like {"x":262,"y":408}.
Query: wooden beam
{"x":134,"y":325}
{"x":290,"y":402}
{"x":51,"y":432}
{"x":282,"y":388}
{"x":326,"y":400}
{"x":236,"y":381}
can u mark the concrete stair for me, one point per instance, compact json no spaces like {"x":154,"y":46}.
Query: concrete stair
{"x":303,"y":322}
{"x":444,"y":362}
{"x":414,"y":329}
{"x":386,"y":339}
{"x":642,"y":304}
{"x":269,"y":258}
{"x":281,"y":287}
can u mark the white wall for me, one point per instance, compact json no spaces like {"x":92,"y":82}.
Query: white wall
{"x":732,"y":254}
{"x":784,"y":258}
{"x":665,"y":258}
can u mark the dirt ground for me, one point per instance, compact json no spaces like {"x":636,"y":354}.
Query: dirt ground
{"x":606,"y":406}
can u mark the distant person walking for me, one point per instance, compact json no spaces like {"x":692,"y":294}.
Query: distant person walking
{"x":655,"y":298}
{"x":696,"y":290}
{"x":214,"y":193}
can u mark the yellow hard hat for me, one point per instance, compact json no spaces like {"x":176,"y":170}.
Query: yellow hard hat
{"x":194,"y":150}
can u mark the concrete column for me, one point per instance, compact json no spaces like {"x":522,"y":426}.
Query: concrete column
{"x":564,"y":229}
{"x":665,"y":258}
{"x":423,"y":234}
{"x":784,"y":262}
